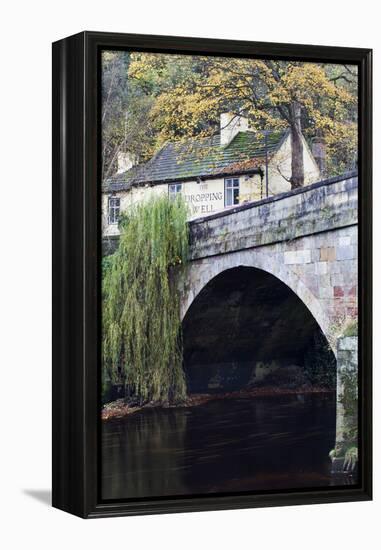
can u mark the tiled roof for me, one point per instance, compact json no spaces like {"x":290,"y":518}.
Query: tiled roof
{"x":200,"y":159}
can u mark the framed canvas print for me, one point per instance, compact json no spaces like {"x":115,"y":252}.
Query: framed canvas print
{"x":212,"y":274}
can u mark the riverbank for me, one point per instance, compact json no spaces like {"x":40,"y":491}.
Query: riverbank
{"x":121,"y":407}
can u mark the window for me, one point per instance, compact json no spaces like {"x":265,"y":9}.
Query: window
{"x":113,"y":209}
{"x":174,"y":189}
{"x":231,"y":191}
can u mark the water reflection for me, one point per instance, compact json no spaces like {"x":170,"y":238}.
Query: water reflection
{"x":278,"y":442}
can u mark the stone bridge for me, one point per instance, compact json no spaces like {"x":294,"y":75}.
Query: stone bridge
{"x":306,"y":238}
{"x":264,"y":278}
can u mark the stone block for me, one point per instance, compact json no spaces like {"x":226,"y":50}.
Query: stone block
{"x":306,"y":269}
{"x":333,"y":268}
{"x":344,"y":241}
{"x":338,"y":291}
{"x":321,"y":268}
{"x":351,"y":184}
{"x":350,"y":282}
{"x":325,"y":280}
{"x":345,"y":253}
{"x":348,"y":267}
{"x":337,"y":279}
{"x":297,"y":257}
{"x":352,"y":194}
{"x":309,"y":279}
{"x":339,"y":198}
{"x":327,"y":254}
{"x":315,"y":254}
{"x":345,"y":358}
{"x":325,"y":292}
{"x":347,"y":343}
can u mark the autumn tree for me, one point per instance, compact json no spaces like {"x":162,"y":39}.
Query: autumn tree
{"x":127,"y":105}
{"x":190,"y":92}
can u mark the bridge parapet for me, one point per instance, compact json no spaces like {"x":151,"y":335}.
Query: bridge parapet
{"x":320,"y":207}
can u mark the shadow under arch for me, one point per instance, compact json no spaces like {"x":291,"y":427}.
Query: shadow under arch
{"x":245,"y":324}
{"x":203,"y":271}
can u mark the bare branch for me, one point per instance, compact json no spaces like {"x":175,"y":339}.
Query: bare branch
{"x":280,"y":173}
{"x":341,"y":77}
{"x":106,"y":103}
{"x":353,"y":73}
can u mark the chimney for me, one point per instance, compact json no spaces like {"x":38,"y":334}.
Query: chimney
{"x":126,"y":160}
{"x":230,"y":126}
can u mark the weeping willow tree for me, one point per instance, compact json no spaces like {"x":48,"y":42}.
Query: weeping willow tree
{"x":141,"y":315}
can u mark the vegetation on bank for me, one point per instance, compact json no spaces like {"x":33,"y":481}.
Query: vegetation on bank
{"x":141,"y":316}
{"x":121,"y":408}
{"x":351,"y":328}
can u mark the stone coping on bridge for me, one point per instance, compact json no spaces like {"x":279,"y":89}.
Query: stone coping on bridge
{"x":323,"y":206}
{"x":279,"y":196}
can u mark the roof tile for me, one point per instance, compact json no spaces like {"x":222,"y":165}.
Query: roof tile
{"x":199,"y":159}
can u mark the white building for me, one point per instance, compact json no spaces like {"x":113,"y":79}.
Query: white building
{"x":211,"y":173}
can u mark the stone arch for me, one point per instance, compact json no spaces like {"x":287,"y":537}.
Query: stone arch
{"x":200,"y":272}
{"x":247,"y":328}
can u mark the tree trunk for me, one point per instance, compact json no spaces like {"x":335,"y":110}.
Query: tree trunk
{"x":297,"y":166}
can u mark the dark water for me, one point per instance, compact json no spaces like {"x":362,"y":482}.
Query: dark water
{"x":264,"y":443}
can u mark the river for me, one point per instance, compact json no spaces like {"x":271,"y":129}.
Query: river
{"x":225,"y":446}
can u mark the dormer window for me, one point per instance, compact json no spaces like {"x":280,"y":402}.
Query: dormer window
{"x":174,"y":189}
{"x":113,"y":210}
{"x":231,"y":191}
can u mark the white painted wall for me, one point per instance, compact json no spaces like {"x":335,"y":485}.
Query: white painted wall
{"x":230,"y":126}
{"x":280,"y":165}
{"x":128,"y":199}
{"x":202,"y":198}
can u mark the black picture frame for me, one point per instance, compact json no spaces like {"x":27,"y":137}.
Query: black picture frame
{"x":76,"y":273}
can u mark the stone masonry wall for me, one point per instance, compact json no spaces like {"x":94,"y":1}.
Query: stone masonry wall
{"x":347,"y":383}
{"x":307,"y":238}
